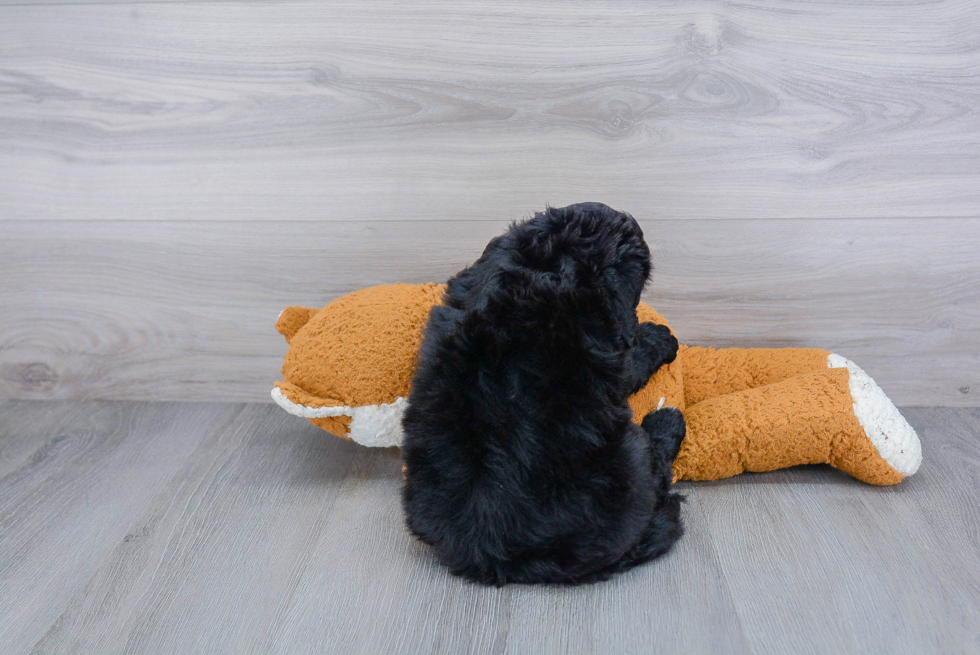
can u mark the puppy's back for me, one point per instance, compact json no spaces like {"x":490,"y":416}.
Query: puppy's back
{"x":520,"y":464}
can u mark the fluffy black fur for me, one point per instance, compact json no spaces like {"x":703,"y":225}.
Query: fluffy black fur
{"x":522,"y":462}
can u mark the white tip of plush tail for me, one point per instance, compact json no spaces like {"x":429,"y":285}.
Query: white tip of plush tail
{"x":889,"y":432}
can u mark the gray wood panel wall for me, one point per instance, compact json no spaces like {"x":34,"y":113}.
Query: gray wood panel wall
{"x":172,"y":174}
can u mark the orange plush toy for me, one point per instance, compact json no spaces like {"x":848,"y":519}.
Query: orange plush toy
{"x":349,"y":369}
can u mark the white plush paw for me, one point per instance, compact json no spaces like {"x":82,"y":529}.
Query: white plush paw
{"x":886,"y":428}
{"x":370,"y":425}
{"x":379,"y":425}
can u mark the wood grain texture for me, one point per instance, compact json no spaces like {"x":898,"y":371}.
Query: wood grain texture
{"x":950,"y":442}
{"x":843,"y":563}
{"x":65,"y":508}
{"x":187,"y":578}
{"x":847,"y":559}
{"x":260,"y":533}
{"x":186,"y":310}
{"x":462,"y":618}
{"x":22,"y":423}
{"x":467,"y":110}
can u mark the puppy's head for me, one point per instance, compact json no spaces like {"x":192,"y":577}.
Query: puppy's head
{"x":588,"y":258}
{"x":587,"y":244}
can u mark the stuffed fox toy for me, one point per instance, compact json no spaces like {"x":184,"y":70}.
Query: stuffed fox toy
{"x":349,"y":370}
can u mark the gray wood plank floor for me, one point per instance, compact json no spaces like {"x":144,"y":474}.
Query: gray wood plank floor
{"x":194,"y":527}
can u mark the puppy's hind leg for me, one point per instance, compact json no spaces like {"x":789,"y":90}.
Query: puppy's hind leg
{"x":660,"y":535}
{"x":666,"y":429}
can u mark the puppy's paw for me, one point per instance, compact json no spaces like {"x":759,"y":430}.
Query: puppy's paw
{"x":666,"y":428}
{"x":658,"y":343}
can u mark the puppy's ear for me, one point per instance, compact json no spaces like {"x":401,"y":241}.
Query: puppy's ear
{"x":626,"y":277}
{"x":630,"y":269}
{"x":622,"y":306}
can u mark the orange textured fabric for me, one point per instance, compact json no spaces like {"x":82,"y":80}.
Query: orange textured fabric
{"x":805,"y":419}
{"x":361,"y":348}
{"x":292,"y":319}
{"x":712,"y":372}
{"x":746,"y":409}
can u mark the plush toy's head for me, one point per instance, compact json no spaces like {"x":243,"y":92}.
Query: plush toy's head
{"x":349,"y":365}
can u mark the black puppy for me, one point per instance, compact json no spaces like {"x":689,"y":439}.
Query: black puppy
{"x":522,"y":462}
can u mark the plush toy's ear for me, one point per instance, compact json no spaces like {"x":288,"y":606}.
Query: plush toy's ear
{"x":292,"y":319}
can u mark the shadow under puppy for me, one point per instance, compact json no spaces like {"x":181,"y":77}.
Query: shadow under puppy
{"x":522,"y":460}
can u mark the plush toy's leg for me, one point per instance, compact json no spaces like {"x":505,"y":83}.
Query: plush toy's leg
{"x":814,"y":418}
{"x":710,"y":372}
